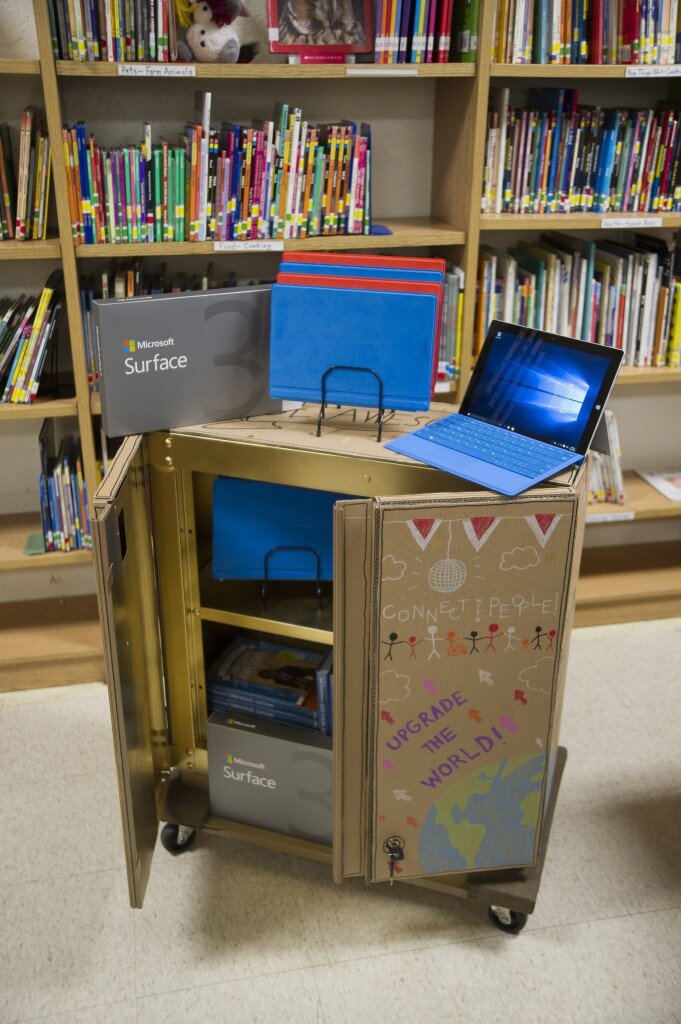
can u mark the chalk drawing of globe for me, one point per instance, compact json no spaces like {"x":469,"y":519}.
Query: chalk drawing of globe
{"x":447,"y":575}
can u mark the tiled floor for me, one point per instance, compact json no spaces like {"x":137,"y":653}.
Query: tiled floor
{"x":236,"y":935}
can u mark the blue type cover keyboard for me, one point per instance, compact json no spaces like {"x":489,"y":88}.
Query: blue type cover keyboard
{"x":513,"y":452}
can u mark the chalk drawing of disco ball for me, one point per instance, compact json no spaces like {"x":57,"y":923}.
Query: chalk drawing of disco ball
{"x":447,"y":575}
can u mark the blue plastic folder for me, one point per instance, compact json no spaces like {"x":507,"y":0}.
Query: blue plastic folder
{"x":313,"y":329}
{"x":251,"y":518}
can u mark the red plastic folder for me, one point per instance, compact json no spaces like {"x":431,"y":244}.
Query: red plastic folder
{"x":365,"y":260}
{"x":372,"y":284}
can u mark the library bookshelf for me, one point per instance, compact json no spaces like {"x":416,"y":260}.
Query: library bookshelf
{"x":614,"y":585}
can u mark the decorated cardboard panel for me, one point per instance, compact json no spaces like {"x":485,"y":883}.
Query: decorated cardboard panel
{"x":467,"y":639}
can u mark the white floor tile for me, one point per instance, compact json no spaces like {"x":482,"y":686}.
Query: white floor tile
{"x":65,"y":945}
{"x":620,"y":971}
{"x":114,"y":1013}
{"x":230,"y":912}
{"x":356,"y":920}
{"x":434,"y":986}
{"x":50,"y":694}
{"x":622,"y":751}
{"x":56,"y":738}
{"x":289,"y":998}
{"x":622,"y":670}
{"x":59,"y":826}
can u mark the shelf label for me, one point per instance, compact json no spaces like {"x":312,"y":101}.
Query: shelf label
{"x":631,"y":222}
{"x":157,"y":70}
{"x":389,"y":70}
{"x":251,"y":245}
{"x":653,"y":71}
{"x":609,"y":517}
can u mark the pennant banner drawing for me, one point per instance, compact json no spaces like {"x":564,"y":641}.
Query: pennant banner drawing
{"x":480,"y":529}
{"x":542,"y":526}
{"x":423,"y":530}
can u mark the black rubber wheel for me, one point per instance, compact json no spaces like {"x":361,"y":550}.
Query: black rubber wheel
{"x":170,"y":838}
{"x":509,"y":921}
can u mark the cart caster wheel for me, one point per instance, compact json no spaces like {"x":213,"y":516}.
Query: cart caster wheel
{"x":510,"y":921}
{"x":177,"y":838}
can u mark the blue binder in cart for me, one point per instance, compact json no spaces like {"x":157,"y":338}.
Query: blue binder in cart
{"x":315,"y":328}
{"x":251,"y":519}
{"x":393,"y":273}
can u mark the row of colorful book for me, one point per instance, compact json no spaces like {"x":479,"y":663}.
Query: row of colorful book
{"x":556,"y":156}
{"x":281,"y":684}
{"x":28,"y":326}
{"x":605,"y":481}
{"x":586,"y":32}
{"x":624,"y":296}
{"x":127,"y":279}
{"x":136,"y":30}
{"x":63,"y":493}
{"x":285,"y":178}
{"x":25,"y":186}
{"x":426,"y":31}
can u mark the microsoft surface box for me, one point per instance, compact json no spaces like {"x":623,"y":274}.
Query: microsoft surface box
{"x":530,"y":410}
{"x":174,"y":359}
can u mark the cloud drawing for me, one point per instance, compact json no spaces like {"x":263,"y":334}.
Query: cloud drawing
{"x":519,"y":558}
{"x":394,"y":687}
{"x":393,"y":568}
{"x":528,"y":675}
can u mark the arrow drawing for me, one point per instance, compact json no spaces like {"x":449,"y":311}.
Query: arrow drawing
{"x":485,"y":677}
{"x":413,"y":822}
{"x":508,"y":724}
{"x":475,"y":715}
{"x":520,"y":695}
{"x":429,"y":685}
{"x":388,"y":764}
{"x":387,"y":717}
{"x":401,"y":794}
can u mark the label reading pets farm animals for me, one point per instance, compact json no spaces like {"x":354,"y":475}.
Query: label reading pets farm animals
{"x":157,"y":70}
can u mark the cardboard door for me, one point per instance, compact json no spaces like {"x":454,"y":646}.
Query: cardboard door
{"x":467,"y":601}
{"x":126,"y":591}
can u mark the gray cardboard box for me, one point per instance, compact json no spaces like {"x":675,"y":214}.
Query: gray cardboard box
{"x":270,"y":776}
{"x":188,"y":357}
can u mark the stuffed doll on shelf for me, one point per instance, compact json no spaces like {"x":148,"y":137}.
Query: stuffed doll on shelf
{"x":214,"y":35}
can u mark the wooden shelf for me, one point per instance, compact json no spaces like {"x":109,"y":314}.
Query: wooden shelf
{"x":635,"y":375}
{"x":643,"y":502}
{"x":39,"y":409}
{"x":49,"y":249}
{"x":14,"y":531}
{"x":409,"y":232}
{"x":12,"y":66}
{"x":561,"y":71}
{"x":365,"y":72}
{"x":629,"y":582}
{"x":569,"y":221}
{"x":291,"y":611}
{"x":50,"y":643}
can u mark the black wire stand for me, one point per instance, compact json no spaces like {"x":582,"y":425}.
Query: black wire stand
{"x":352,"y":369}
{"x":285,"y":547}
